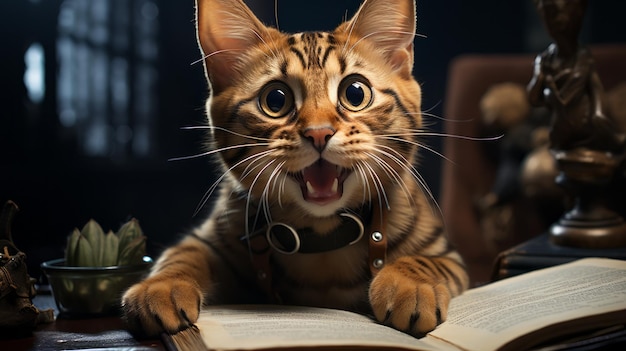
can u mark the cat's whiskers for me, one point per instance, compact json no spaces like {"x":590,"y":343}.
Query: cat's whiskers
{"x":353,"y":25}
{"x":360,"y":167}
{"x":379,"y":32}
{"x":273,"y":177}
{"x":254,"y":163}
{"x":429,"y":194}
{"x":438,"y":134}
{"x":211,"y":54}
{"x":273,"y":49}
{"x":209,"y":192}
{"x":391,"y":172}
{"x":409,"y":167}
{"x":427,"y":111}
{"x":276,"y":14}
{"x":422,"y":133}
{"x":250,"y":168}
{"x":419,"y":179}
{"x":227,"y":131}
{"x":281,"y":189}
{"x":276,"y":174}
{"x":214,"y":151}
{"x":249,"y":199}
{"x":214,"y":186}
{"x":271,"y":183}
{"x":378,"y":185}
{"x":401,"y":160}
{"x":363,"y":176}
{"x":253,"y":159}
{"x":418,"y":144}
{"x":248,"y":171}
{"x":364,"y":169}
{"x":432,"y":115}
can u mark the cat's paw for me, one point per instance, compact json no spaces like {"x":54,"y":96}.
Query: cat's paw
{"x":408,"y":299}
{"x":160,"y":304}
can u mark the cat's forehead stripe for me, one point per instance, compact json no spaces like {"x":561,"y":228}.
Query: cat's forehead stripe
{"x":313,"y":49}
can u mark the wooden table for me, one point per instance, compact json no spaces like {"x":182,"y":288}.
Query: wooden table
{"x":75,"y":334}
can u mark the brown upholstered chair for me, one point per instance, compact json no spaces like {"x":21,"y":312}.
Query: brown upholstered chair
{"x":472,"y":173}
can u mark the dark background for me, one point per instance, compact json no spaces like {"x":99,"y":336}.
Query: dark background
{"x":107,"y":158}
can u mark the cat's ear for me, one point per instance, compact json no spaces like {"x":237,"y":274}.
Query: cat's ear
{"x":390,"y":26}
{"x":225,"y":30}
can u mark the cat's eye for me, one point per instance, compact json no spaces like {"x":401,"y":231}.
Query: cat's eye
{"x":355,"y":93}
{"x":276,"y":99}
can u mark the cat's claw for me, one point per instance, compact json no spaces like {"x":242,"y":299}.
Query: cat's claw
{"x":158,"y":305}
{"x":410,"y":303}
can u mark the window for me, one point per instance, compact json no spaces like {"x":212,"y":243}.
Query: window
{"x":107,"y":52}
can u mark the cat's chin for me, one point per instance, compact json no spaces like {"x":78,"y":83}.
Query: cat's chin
{"x":325,"y":210}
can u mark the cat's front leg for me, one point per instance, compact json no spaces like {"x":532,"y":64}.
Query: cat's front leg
{"x":171,"y":297}
{"x":412,"y":294}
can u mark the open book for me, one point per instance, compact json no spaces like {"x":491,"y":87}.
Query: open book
{"x":572,"y":300}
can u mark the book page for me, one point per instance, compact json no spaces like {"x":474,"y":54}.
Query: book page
{"x":488,"y":317}
{"x":259,"y":326}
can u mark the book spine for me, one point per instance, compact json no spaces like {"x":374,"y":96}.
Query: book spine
{"x":512,"y":265}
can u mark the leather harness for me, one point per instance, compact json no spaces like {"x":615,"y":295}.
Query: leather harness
{"x":281,"y":238}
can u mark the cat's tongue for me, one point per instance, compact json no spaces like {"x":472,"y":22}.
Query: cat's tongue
{"x":321,"y":181}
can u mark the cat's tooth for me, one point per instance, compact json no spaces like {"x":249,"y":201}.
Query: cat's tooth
{"x":335,"y":185}
{"x":310,"y":188}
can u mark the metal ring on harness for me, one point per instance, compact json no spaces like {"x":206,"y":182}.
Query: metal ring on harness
{"x":287,"y":240}
{"x":358,"y":222}
{"x":279,"y":247}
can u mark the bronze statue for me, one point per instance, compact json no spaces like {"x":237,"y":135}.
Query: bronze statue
{"x":565,"y":81}
{"x":18,"y":315}
{"x":587,"y":145}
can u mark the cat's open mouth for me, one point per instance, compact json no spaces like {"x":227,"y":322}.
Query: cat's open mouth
{"x":322,"y":182}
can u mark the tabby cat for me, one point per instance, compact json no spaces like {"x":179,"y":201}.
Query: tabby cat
{"x":316,"y":134}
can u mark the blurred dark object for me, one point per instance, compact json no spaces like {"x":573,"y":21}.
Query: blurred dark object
{"x":18,"y":315}
{"x":587,"y":144}
{"x":540,"y":252}
{"x":473,"y":173}
{"x":526,"y":170}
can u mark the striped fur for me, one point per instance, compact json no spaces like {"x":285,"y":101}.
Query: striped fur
{"x":265,"y":144}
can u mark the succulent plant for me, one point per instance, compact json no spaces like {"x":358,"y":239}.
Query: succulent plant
{"x":91,"y":247}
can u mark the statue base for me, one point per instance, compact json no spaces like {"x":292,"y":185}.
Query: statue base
{"x":587,"y":175}
{"x":589,"y":234}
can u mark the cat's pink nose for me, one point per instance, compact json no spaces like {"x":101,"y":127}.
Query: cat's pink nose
{"x":319,"y":136}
